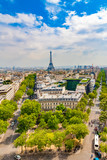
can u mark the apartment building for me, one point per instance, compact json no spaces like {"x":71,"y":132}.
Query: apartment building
{"x":7,"y":91}
{"x":53,"y":90}
{"x":50,"y":102}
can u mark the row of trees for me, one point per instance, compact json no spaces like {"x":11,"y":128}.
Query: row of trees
{"x":43,"y":138}
{"x":103,"y":100}
{"x":7,"y":109}
{"x":93,"y":94}
{"x":27,"y":85}
{"x":103,"y":115}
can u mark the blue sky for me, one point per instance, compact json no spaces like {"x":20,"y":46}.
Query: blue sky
{"x":75,"y":31}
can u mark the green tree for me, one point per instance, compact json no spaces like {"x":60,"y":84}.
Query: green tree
{"x":3,"y":126}
{"x":42,"y":123}
{"x":75,"y":120}
{"x":95,"y":92}
{"x":30,"y":92}
{"x":105,"y":129}
{"x":18,"y":95}
{"x":77,"y":113}
{"x":10,"y":105}
{"x":5,"y":114}
{"x":61,"y":107}
{"x":26,"y":122}
{"x":102,"y":96}
{"x":85,"y":117}
{"x":31,"y":84}
{"x":30,"y":107}
{"x":88,"y":111}
{"x":59,"y":115}
{"x":46,"y":115}
{"x":103,"y":104}
{"x":81,"y":106}
{"x":68,"y":113}
{"x":91,"y":95}
{"x":103,"y":148}
{"x":86,"y":96}
{"x":103,"y":117}
{"x":65,"y":123}
{"x":84,"y":100}
{"x":78,"y":130}
{"x":23,"y":87}
{"x":97,"y":85}
{"x":50,"y":138}
{"x":21,"y":140}
{"x":104,"y":83}
{"x":58,"y":138}
{"x":69,"y":144}
{"x":103,"y":136}
{"x":90,"y":103}
{"x":53,"y":122}
{"x":38,"y":139}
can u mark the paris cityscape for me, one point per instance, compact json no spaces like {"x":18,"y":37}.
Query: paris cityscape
{"x":53,"y":80}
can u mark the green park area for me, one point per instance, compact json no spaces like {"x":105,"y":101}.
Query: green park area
{"x":62,"y":128}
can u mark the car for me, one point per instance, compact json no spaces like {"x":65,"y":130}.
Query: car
{"x":17,"y":157}
{"x":15,"y":121}
{"x":12,"y":124}
{"x":98,"y":154}
{"x":96,"y":158}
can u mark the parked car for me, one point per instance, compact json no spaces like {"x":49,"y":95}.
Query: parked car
{"x":12,"y":124}
{"x":98,"y":154}
{"x":96,"y":158}
{"x":17,"y":157}
{"x":15,"y":121}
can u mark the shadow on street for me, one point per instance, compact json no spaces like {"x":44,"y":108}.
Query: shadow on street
{"x":38,"y":156}
{"x":10,"y":139}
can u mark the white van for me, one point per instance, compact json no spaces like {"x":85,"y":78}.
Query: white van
{"x":96,"y":142}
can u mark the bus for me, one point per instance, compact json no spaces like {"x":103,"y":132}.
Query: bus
{"x":96,"y":142}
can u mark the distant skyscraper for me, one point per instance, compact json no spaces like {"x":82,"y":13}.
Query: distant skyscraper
{"x":50,"y":67}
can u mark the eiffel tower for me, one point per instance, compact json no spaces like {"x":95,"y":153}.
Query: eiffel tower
{"x":51,"y":67}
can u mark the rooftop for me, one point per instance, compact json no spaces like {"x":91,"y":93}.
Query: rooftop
{"x":71,"y":97}
{"x":52,"y":88}
{"x":84,"y":80}
{"x":4,"y":88}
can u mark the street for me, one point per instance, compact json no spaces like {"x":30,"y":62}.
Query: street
{"x":6,"y":145}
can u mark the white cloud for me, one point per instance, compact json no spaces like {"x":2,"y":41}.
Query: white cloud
{"x":21,"y":18}
{"x":54,"y":18}
{"x":53,"y":1}
{"x":86,"y":21}
{"x":53,"y":10}
{"x":84,"y":13}
{"x":77,"y":1}
{"x":64,"y":4}
{"x":84,"y":42}
{"x":86,"y":1}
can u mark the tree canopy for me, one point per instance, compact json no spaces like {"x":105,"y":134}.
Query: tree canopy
{"x":30,"y":107}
